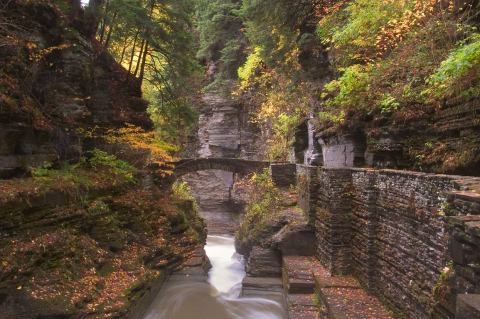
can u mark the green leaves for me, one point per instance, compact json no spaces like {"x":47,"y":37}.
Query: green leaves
{"x":354,"y":30}
{"x":101,"y":159}
{"x":458,"y":73}
{"x":221,"y":40}
{"x":350,"y":88}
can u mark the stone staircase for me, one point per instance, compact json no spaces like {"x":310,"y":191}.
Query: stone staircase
{"x":312,"y":292}
{"x":263,"y":275}
{"x":299,"y":285}
{"x":343,"y":297}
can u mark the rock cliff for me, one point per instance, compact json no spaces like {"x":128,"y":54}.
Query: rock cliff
{"x":224,"y":130}
{"x":56,"y":87}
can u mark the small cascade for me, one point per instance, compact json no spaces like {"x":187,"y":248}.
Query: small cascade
{"x":217,"y":296}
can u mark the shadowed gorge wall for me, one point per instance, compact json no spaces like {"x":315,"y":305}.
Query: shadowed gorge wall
{"x":56,"y":86}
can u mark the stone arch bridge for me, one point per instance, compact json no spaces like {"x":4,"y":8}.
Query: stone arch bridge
{"x":283,"y":174}
{"x":234,"y":165}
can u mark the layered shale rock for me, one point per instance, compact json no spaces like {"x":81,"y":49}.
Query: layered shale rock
{"x":56,"y":85}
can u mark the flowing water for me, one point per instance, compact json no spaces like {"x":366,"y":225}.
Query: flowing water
{"x":219,"y":297}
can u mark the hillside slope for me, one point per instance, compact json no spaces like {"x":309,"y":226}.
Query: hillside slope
{"x":85,"y":231}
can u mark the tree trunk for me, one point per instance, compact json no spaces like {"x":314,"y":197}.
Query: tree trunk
{"x":124,"y":49}
{"x":143,"y":57}
{"x":92,"y":17}
{"x":104,"y":21}
{"x":139,"y":61}
{"x":144,"y":60}
{"x":133,"y":53}
{"x":76,"y":8}
{"x":107,"y":41}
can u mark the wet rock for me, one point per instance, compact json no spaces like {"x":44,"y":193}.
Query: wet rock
{"x":296,"y":240}
{"x":20,"y":305}
{"x":263,"y":284}
{"x":264,"y":262}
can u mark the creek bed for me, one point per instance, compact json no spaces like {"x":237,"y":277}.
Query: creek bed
{"x":217,"y":296}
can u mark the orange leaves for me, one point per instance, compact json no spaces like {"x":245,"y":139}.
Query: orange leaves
{"x":36,"y":54}
{"x":326,"y":7}
{"x":396,"y":29}
{"x":66,"y":266}
{"x":146,"y":143}
{"x":139,"y":139}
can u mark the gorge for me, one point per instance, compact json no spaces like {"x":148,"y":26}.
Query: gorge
{"x":239,"y":159}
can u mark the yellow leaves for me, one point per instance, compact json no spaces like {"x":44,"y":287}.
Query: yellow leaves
{"x":37,"y":55}
{"x":31,"y":45}
{"x":395,"y":30}
{"x":145,"y":142}
{"x":139,"y":139}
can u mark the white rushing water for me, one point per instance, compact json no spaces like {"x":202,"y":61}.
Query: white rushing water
{"x":220,"y":297}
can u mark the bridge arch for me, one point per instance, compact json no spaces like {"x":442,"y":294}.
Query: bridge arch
{"x":234,"y":165}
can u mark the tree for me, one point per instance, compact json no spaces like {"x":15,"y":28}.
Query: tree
{"x":153,"y":40}
{"x":221,"y":41}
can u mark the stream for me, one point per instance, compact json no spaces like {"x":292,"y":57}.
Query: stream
{"x":219,"y":297}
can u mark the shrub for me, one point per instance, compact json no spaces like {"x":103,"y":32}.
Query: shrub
{"x":263,"y":203}
{"x":354,"y":30}
{"x":388,"y":103}
{"x":63,"y":173}
{"x":42,"y":171}
{"x":181,"y":190}
{"x":459,"y":73}
{"x":251,"y":65}
{"x":350,"y":91}
{"x":100,"y":159}
{"x":145,"y":142}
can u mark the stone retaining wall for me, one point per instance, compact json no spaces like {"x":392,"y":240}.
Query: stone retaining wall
{"x":391,"y":230}
{"x":464,"y":246}
{"x":307,"y":186}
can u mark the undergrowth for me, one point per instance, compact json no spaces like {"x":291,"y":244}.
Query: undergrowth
{"x":100,"y":161}
{"x":103,"y":160}
{"x":189,"y":214}
{"x":263,"y":204}
{"x":395,"y":58}
{"x":459,"y":73}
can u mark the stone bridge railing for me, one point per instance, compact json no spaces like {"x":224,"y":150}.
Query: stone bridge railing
{"x":283,"y":174}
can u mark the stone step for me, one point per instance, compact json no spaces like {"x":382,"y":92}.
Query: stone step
{"x":264,"y":287}
{"x":262,"y":283}
{"x":302,"y":306}
{"x":323,"y":279}
{"x":468,"y":306}
{"x":342,"y":297}
{"x":351,"y":303}
{"x":264,"y":262}
{"x":298,"y":275}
